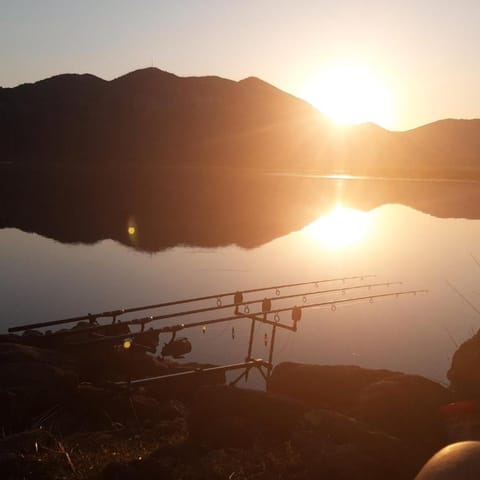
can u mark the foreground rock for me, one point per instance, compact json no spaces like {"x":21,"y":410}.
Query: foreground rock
{"x":464,"y":374}
{"x":405,"y":406}
{"x":335,"y":422}
{"x":323,"y":386}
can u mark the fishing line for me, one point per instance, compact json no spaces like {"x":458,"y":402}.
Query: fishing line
{"x":464,"y":298}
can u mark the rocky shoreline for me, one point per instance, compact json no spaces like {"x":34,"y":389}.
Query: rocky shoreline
{"x":61,"y":418}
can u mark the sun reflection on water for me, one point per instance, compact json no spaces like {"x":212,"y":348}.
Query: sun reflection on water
{"x":340,"y":228}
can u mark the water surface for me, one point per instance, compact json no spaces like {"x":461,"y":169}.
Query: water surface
{"x":43,"y":279}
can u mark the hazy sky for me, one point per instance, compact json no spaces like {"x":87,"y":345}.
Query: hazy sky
{"x":426,"y":51}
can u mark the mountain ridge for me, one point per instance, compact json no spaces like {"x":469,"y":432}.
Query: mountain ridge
{"x":150,"y":116}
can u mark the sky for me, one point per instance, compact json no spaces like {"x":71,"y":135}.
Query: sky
{"x":426,"y":53}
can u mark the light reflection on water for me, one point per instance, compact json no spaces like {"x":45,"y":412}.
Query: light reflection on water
{"x":341,"y":227}
{"x":43,"y":280}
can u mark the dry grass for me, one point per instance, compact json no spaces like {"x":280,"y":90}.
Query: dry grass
{"x":83,"y":456}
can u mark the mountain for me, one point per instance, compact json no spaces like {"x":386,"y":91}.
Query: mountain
{"x":446,"y":148}
{"x":447,"y":143}
{"x":152,"y":117}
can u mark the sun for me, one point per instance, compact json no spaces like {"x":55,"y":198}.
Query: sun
{"x":340,"y":228}
{"x":350,"y":93}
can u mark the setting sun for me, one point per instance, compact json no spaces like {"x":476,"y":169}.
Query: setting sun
{"x":340,"y":228}
{"x":350,"y":93}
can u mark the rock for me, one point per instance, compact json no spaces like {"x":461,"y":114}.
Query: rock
{"x":401,"y":405}
{"x":406,"y":406}
{"x":459,"y":461}
{"x":464,"y":374}
{"x":230,"y":416}
{"x":333,"y":387}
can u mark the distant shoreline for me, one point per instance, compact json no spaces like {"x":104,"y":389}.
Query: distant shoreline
{"x":374,"y":178}
{"x":113,"y":169}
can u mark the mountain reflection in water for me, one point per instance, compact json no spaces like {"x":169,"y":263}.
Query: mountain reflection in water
{"x":151,"y":210}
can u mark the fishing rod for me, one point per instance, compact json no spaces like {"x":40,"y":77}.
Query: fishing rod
{"x":304,"y":295}
{"x":115,"y":313}
{"x":275,"y":312}
{"x":145,"y":320}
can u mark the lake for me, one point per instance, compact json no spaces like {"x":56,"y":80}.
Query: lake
{"x":67,"y":261}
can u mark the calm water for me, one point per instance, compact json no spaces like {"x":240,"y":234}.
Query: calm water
{"x":41,"y":279}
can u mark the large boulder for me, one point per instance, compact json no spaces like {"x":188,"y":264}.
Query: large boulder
{"x":405,"y":406}
{"x":464,"y":374}
{"x":402,"y":404}
{"x":334,"y":387}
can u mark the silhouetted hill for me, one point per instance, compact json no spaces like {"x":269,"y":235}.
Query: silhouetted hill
{"x":150,"y":116}
{"x":447,"y":149}
{"x":447,"y":141}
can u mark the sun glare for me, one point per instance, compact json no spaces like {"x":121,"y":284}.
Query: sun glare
{"x":340,"y":228}
{"x":350,"y":93}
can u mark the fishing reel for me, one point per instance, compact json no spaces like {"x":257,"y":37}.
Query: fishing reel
{"x":176,"y":347}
